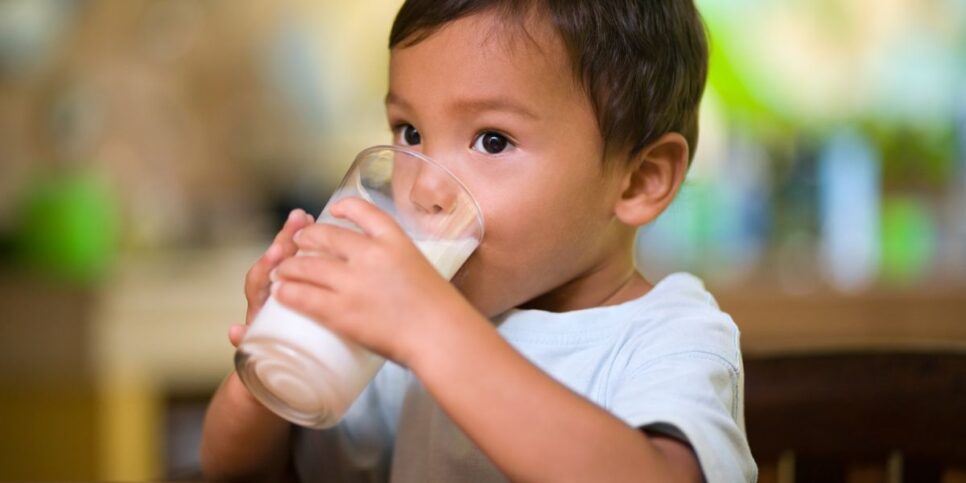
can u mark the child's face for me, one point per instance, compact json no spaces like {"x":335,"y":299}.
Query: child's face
{"x":504,"y":113}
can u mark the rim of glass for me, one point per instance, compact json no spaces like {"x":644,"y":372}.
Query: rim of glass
{"x":427,"y":159}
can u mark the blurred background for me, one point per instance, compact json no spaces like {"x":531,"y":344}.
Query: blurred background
{"x":149,"y":150}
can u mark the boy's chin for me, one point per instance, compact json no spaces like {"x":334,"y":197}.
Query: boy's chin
{"x":477,"y":286}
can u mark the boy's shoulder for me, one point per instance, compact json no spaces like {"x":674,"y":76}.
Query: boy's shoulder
{"x":679,"y":316}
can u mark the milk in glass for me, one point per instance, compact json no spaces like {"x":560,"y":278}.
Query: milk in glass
{"x":314,"y":371}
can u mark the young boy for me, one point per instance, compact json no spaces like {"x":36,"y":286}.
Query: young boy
{"x":549,"y":357}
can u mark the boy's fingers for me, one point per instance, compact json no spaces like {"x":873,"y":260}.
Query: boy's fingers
{"x":297,"y":219}
{"x":373,"y":221}
{"x":332,"y":239}
{"x":256,"y":280}
{"x":319,"y":269}
{"x":308,"y":299}
{"x":236,"y":333}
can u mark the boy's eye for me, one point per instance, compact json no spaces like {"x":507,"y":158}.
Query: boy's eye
{"x":491,"y":143}
{"x":410,"y":136}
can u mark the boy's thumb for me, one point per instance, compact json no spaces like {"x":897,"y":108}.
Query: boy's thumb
{"x":236,"y":333}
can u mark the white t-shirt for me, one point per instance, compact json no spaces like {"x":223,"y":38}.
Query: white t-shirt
{"x":668,"y":361}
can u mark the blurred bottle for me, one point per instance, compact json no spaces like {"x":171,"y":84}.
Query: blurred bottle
{"x":849,"y":198}
{"x":796,"y":232}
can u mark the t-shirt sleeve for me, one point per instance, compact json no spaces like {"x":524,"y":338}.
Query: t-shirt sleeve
{"x":696,"y":397}
{"x":359,"y":448}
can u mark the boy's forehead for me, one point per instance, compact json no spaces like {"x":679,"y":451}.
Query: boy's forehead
{"x":493,"y":30}
{"x":486,"y":52}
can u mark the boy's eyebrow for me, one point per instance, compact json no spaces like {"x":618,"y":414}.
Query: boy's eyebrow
{"x":494,"y":104}
{"x":478,"y":104}
{"x":392,"y":98}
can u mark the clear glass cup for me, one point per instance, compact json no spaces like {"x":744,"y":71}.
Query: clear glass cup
{"x":309,"y":375}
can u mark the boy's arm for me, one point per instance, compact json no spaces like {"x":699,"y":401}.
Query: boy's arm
{"x":241,"y":439}
{"x":532,"y":427}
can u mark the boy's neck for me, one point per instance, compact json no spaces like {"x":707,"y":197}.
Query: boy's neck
{"x":613,"y":282}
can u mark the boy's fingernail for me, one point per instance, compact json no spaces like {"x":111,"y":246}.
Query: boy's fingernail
{"x":273,"y":275}
{"x":274,"y":287}
{"x":273,"y":251}
{"x":297,"y":236}
{"x":294,"y":214}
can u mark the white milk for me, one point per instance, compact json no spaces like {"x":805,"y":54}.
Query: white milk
{"x":314,"y":374}
{"x":447,"y":255}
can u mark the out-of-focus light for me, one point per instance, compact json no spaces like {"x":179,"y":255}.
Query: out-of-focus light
{"x":69,"y":227}
{"x":28,"y":30}
{"x":915,"y":80}
{"x":908,"y":239}
{"x":296,"y":68}
{"x":825,"y":61}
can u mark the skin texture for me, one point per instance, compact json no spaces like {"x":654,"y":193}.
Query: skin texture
{"x":559,"y":236}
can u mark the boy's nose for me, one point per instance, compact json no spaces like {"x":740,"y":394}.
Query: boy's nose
{"x":433,"y":191}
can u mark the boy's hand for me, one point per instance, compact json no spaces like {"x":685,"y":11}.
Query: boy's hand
{"x":257,"y":281}
{"x":374,"y":287}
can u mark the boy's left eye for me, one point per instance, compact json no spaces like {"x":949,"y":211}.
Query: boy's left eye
{"x":491,"y":143}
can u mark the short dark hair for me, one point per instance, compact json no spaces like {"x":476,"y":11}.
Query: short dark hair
{"x":643,"y":63}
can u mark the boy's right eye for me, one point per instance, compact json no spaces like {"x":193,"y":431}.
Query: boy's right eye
{"x":408,"y":135}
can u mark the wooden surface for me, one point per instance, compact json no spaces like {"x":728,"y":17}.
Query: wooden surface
{"x":773,"y":323}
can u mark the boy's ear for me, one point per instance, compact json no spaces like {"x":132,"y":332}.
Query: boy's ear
{"x":652,"y":179}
